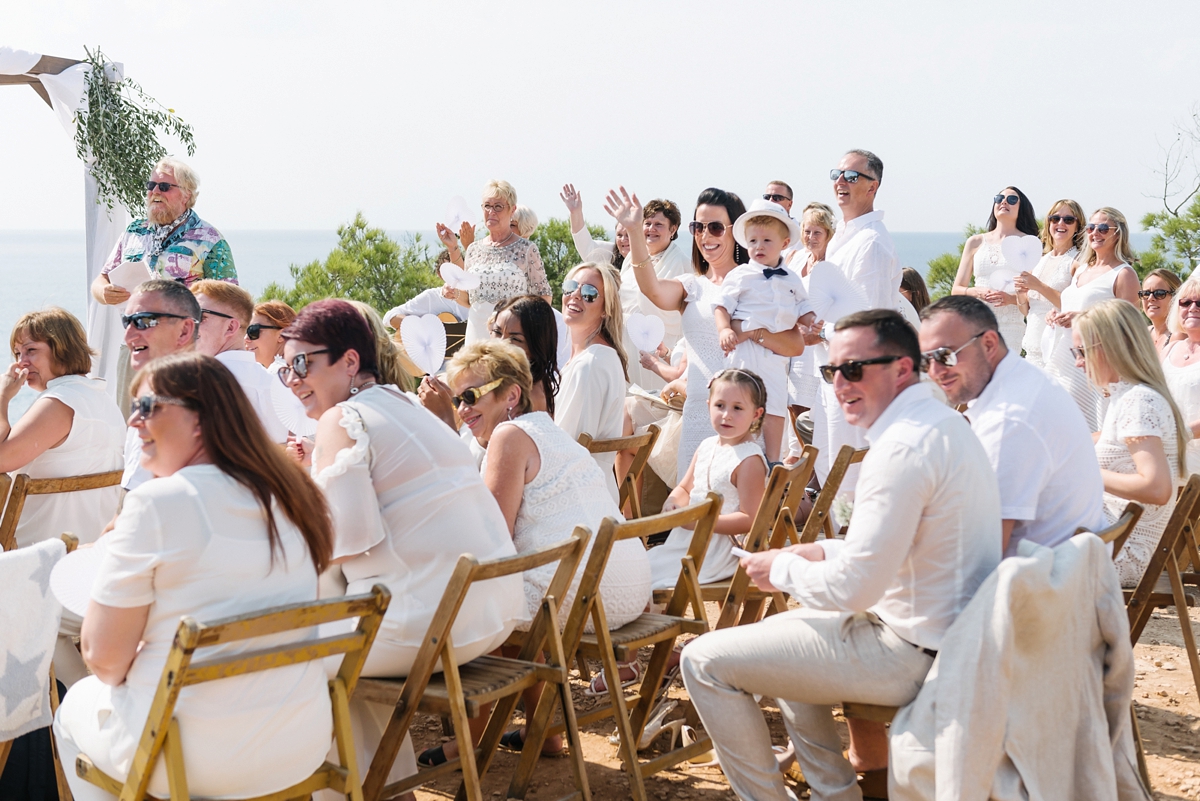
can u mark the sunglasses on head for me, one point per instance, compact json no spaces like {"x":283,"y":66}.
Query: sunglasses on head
{"x":714,"y":228}
{"x":945,"y":356}
{"x":588,"y":292}
{"x":852,"y":371}
{"x":471,"y":396}
{"x":143,"y":320}
{"x":145,"y":406}
{"x":298,"y":366}
{"x":1100,"y":228}
{"x":254,"y":330}
{"x":163,"y":186}
{"x":1063,"y":218}
{"x":775,"y":198}
{"x":1157,"y":294}
{"x":851,"y":176}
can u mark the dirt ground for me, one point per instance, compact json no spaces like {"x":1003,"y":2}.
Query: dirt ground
{"x":1168,"y":713}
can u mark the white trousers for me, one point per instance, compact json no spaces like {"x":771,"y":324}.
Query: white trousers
{"x":807,"y":661}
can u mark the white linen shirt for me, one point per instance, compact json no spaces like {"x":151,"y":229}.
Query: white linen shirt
{"x":431,"y":301}
{"x":256,"y":383}
{"x":1039,"y":445}
{"x":863,"y":249}
{"x":925,"y":531}
{"x":774,"y":303}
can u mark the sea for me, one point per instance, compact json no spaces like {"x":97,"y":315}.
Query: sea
{"x":46,"y":268}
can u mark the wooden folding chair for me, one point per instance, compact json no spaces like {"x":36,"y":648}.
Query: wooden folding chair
{"x":462,"y":691}
{"x":659,"y":631}
{"x":1116,"y":534}
{"x":630,"y":500}
{"x":24,"y":486}
{"x":161,"y":735}
{"x":820,"y":519}
{"x":60,"y":778}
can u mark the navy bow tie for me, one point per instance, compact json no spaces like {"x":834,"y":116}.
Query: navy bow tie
{"x":771,"y":271}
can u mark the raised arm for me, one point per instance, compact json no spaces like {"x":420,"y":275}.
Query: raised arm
{"x":667,"y":295}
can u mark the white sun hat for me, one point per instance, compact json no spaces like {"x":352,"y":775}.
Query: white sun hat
{"x":765,"y":208}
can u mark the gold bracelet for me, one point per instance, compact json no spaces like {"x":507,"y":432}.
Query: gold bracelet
{"x":641,"y":264}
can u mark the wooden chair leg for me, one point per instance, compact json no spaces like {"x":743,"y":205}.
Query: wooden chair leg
{"x":1143,"y":768}
{"x":5,"y":747}
{"x":585,"y":672}
{"x":1185,"y":622}
{"x":60,"y":778}
{"x":628,"y":732}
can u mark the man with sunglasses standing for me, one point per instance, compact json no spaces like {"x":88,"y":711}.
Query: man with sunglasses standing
{"x":225,"y":313}
{"x":876,"y":605}
{"x":1034,"y":434}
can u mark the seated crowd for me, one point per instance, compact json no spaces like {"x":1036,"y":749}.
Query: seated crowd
{"x":994,"y":417}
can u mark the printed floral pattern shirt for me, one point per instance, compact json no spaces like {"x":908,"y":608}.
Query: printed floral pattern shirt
{"x":193,"y":251}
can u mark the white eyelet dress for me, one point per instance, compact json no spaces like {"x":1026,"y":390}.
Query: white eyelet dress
{"x":988,"y":259}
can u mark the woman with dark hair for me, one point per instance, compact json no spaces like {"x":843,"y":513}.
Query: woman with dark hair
{"x":406,"y":499}
{"x":228,"y":526}
{"x":1012,"y":215}
{"x":912,"y":287}
{"x":528,"y":322}
{"x":714,"y":255}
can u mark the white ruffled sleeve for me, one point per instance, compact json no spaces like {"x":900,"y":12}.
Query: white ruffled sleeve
{"x":691,"y":287}
{"x":350,"y":493}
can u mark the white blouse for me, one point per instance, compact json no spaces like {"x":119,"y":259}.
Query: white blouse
{"x":591,"y":400}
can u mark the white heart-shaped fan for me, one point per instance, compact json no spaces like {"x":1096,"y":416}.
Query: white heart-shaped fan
{"x":458,"y":278}
{"x":458,"y":211}
{"x":290,"y":411}
{"x":831,"y":294}
{"x":1002,"y":280}
{"x":645,"y":330}
{"x":424,"y":340}
{"x":1021,"y":252}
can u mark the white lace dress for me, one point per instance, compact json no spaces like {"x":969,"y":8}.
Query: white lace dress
{"x":1054,"y":272}
{"x":988,"y":259}
{"x":504,"y":272}
{"x":1136,"y":411}
{"x":715,"y":464}
{"x":569,"y":490}
{"x":705,"y":359}
{"x":1184,"y":383}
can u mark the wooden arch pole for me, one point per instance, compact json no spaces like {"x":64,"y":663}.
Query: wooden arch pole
{"x":47,"y":65}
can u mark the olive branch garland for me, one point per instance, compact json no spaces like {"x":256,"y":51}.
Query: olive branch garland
{"x":117,"y":132}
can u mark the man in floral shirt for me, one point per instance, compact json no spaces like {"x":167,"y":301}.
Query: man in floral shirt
{"x":172,"y":241}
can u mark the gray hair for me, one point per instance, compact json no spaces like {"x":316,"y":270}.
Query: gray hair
{"x":184,"y":175}
{"x":874,"y":163}
{"x":526,"y":220}
{"x":177,"y":298}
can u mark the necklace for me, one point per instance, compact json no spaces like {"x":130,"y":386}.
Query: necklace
{"x":504,"y":241}
{"x":366,"y":385}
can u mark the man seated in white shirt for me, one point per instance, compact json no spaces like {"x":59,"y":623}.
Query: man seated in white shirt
{"x":431,"y":301}
{"x":925,"y":534}
{"x":225,"y":312}
{"x":1035,"y":436}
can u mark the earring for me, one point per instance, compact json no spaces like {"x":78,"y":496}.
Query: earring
{"x":510,"y":414}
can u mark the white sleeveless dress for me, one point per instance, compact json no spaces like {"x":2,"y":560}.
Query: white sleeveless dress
{"x":95,"y":445}
{"x":569,"y":490}
{"x":705,"y":359}
{"x":1056,"y":346}
{"x":1055,"y":272}
{"x":1184,"y":383}
{"x":715,"y":464}
{"x":988,"y":259}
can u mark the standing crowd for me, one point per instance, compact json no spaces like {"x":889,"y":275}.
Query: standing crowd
{"x":1026,"y":404}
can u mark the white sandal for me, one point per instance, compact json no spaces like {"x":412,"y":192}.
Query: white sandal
{"x":706,"y":760}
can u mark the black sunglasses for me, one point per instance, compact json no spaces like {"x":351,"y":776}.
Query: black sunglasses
{"x":1102,"y":228}
{"x":146,"y":405}
{"x":1063,"y":218}
{"x":204,"y":311}
{"x":472,"y":396}
{"x":714,"y":228}
{"x":254,"y":330}
{"x":163,"y":186}
{"x":588,"y":292}
{"x":851,"y":176}
{"x":298,"y":366}
{"x":1012,"y":200}
{"x":143,"y":320}
{"x":1187,"y":303}
{"x":1157,"y":294}
{"x":775,"y":198}
{"x":852,"y":371}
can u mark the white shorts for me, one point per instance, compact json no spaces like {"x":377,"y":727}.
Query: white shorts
{"x":770,"y":367}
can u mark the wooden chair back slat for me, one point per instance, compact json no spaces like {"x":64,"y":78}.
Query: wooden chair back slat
{"x":819,"y":518}
{"x":1164,"y":556}
{"x":52,"y":486}
{"x":286,"y":618}
{"x":629,"y":501}
{"x":199,"y":672}
{"x":24,"y":486}
{"x":1118,"y":532}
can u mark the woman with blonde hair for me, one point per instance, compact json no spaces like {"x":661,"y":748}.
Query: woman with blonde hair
{"x":1143,"y":440}
{"x":591,"y":391}
{"x":1102,"y":272}
{"x":1039,"y":292}
{"x":1181,"y":361}
{"x":1158,"y":288}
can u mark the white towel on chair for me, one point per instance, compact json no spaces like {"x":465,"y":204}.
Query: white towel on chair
{"x":29,"y":618}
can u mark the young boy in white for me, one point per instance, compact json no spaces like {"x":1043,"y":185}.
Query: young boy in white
{"x":766,"y":297}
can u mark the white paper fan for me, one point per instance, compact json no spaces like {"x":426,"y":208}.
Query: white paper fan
{"x":72,"y":578}
{"x":291,"y":412}
{"x":458,"y":211}
{"x":1002,"y":281}
{"x":1021,"y":252}
{"x":831,"y":294}
{"x":646,"y":331}
{"x":458,"y":278}
{"x":424,"y":340}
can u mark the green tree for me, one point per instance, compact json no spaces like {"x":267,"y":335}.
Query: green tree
{"x":944,"y":268}
{"x":366,"y":265}
{"x":1176,"y":243}
{"x":554,"y":242}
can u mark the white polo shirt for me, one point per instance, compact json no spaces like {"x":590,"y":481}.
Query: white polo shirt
{"x":1042,"y":452}
{"x":255,"y":381}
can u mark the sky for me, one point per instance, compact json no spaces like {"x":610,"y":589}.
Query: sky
{"x":307,"y":112}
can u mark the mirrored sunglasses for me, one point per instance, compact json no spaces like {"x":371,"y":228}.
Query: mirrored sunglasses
{"x":588,"y":292}
{"x":143,"y":320}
